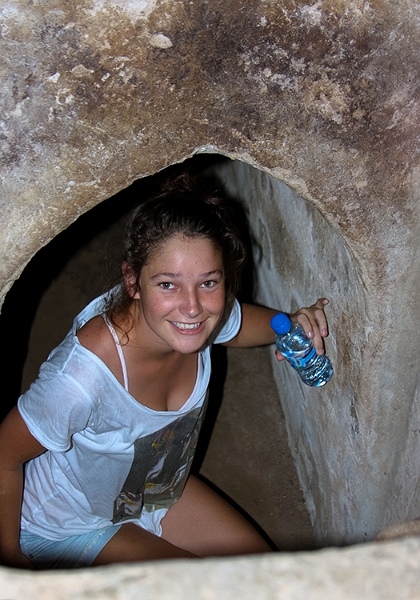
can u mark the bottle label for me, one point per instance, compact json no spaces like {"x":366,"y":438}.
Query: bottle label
{"x":302,"y":361}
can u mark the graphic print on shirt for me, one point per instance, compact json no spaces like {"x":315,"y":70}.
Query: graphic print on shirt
{"x":160,"y":467}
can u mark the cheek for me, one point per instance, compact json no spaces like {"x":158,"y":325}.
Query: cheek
{"x":156,"y":304}
{"x":217,"y":301}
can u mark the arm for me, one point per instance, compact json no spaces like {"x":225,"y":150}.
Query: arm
{"x":17,"y":445}
{"x":256,"y":331}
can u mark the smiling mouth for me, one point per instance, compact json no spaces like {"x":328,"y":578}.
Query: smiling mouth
{"x":186,"y":325}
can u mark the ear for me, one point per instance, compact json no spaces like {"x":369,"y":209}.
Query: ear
{"x":130,"y":281}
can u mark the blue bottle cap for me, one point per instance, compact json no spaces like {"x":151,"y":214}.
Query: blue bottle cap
{"x":281,"y":323}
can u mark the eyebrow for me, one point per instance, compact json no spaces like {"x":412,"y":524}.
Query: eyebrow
{"x":177,"y":275}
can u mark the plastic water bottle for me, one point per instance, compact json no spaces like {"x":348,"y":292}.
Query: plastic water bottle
{"x":291,"y":341}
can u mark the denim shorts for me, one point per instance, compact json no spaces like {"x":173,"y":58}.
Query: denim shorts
{"x":71,"y":553}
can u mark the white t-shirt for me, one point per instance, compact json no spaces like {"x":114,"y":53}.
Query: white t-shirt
{"x":109,"y":459}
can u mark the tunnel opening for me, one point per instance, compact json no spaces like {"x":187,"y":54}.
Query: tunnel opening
{"x":243,"y":448}
{"x":297,"y":257}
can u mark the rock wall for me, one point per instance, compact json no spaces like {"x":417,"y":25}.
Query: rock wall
{"x":322,"y":96}
{"x":374,"y":572}
{"x":299,"y":257}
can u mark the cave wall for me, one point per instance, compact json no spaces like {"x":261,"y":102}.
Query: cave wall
{"x":322,"y":96}
{"x":298,"y":257}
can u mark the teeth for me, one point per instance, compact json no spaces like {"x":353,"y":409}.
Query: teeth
{"x":186,"y":325}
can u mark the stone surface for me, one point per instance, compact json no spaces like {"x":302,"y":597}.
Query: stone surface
{"x":98,"y":93}
{"x":299,"y":257}
{"x":382,"y":571}
{"x":322,"y":96}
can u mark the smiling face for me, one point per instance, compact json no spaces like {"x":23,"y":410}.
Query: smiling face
{"x":182,"y":294}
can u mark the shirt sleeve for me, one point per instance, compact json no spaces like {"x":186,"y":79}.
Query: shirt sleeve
{"x":55,"y":407}
{"x":232,"y":325}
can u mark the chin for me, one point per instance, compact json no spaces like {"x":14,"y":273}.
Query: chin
{"x":191,"y":347}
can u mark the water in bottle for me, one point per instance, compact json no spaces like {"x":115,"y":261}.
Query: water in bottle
{"x":291,"y":341}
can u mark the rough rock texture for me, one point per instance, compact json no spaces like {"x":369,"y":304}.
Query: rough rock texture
{"x":322,"y":96}
{"x":299,"y":257}
{"x":384,"y":571}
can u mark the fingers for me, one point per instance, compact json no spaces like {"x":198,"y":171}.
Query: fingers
{"x":279,"y":356}
{"x":314,"y":322}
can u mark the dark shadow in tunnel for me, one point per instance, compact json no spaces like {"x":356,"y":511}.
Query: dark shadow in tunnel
{"x":23,"y":299}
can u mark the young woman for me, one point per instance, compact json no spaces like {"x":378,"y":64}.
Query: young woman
{"x":109,"y":428}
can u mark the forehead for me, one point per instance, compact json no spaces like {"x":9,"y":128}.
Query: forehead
{"x":179,"y":247}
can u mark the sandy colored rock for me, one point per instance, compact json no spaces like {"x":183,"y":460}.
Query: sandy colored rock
{"x":373,"y":572}
{"x":322,"y":97}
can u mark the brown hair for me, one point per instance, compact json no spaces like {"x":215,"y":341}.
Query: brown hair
{"x":182,"y":207}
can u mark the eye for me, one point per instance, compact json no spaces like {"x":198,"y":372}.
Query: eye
{"x":166,"y":285}
{"x":209,"y":284}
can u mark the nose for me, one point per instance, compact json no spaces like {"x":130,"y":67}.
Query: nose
{"x":190,"y":305}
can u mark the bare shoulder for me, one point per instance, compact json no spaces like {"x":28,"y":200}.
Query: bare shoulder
{"x":94,"y":334}
{"x":96,"y":337}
